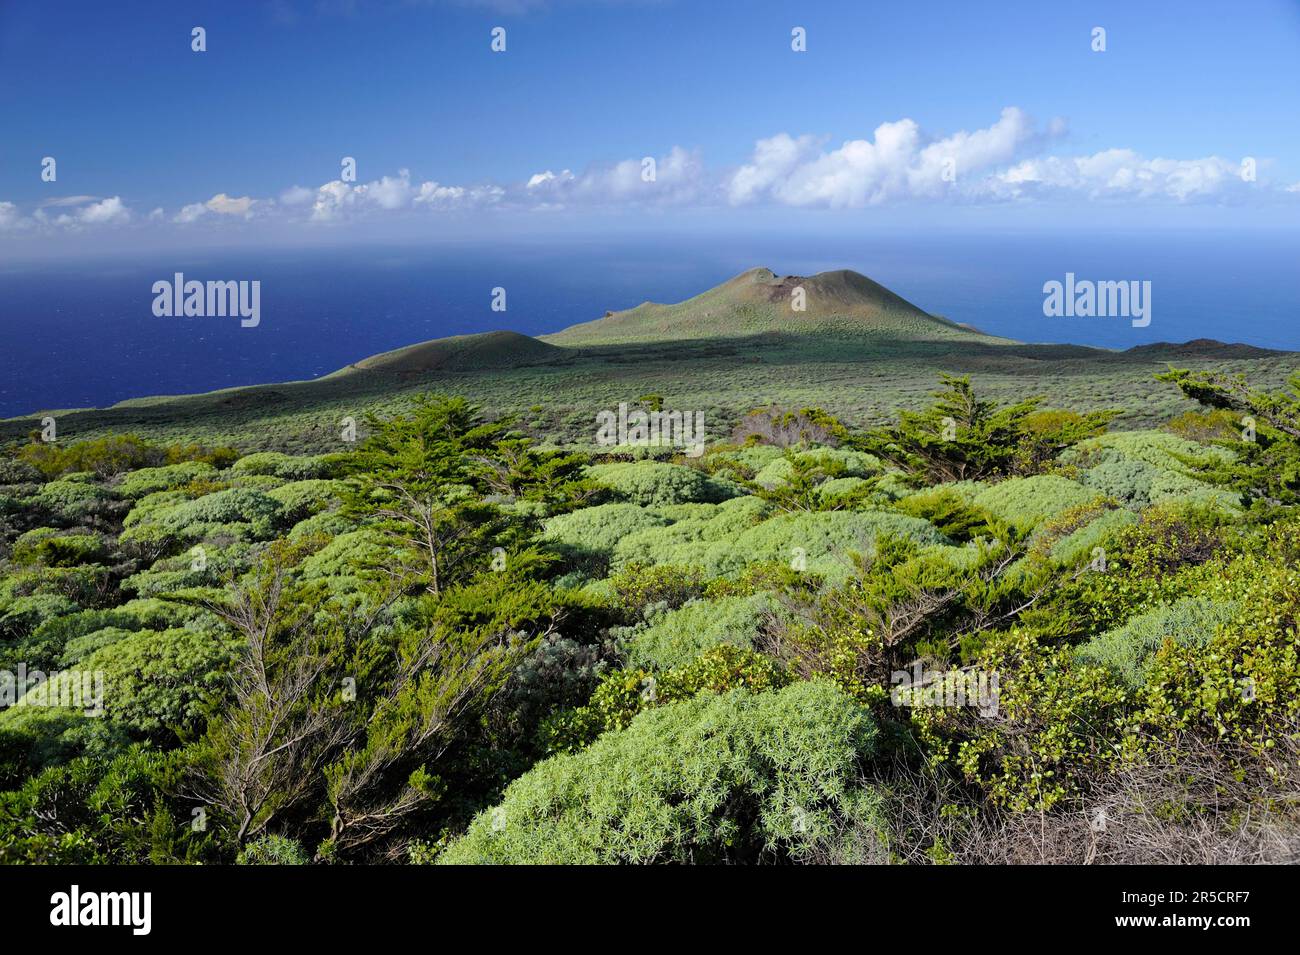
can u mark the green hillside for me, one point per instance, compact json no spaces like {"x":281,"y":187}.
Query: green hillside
{"x":857,"y":349}
{"x":840,"y":304}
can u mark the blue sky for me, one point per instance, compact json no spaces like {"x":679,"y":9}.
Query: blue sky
{"x":954,"y":113}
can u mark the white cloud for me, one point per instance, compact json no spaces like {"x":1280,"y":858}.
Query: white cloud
{"x":225,"y":205}
{"x":64,"y":201}
{"x":389,"y":192}
{"x":896,"y":164}
{"x":296,"y":196}
{"x":675,"y":178}
{"x":222,"y":205}
{"x":336,"y":199}
{"x":85,"y":211}
{"x":1006,"y":161}
{"x":775,"y":159}
{"x":433,"y":195}
{"x":106,"y":210}
{"x":191,"y":213}
{"x":10,"y":218}
{"x":544,"y":179}
{"x":1123,"y":173}
{"x":109,"y":211}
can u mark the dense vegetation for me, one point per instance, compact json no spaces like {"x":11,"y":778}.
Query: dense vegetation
{"x":985,"y":631}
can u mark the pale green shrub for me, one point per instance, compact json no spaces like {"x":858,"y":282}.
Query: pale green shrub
{"x":736,"y":778}
{"x":145,"y":481}
{"x":819,"y":543}
{"x":588,"y":537}
{"x":854,"y":463}
{"x":1126,"y":650}
{"x":301,"y":499}
{"x":688,"y":527}
{"x":653,"y":483}
{"x":675,"y":638}
{"x":1024,"y":503}
{"x":1078,"y":546}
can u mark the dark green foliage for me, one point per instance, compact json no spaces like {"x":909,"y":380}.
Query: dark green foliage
{"x":422,"y":480}
{"x":639,"y":585}
{"x":1265,"y":467}
{"x":100,"y":811}
{"x":963,"y":437}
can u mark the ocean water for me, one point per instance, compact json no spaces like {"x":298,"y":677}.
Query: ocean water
{"x":77,"y":334}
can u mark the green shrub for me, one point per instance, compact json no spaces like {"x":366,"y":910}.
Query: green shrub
{"x":273,"y":850}
{"x":47,"y":546}
{"x":588,"y":537}
{"x":98,"y":810}
{"x":325,"y":524}
{"x":841,"y":461}
{"x":817,"y":543}
{"x":656,"y":483}
{"x":146,"y":481}
{"x":673,"y":539}
{"x":1101,"y":531}
{"x":734,"y":778}
{"x":1127,"y":650}
{"x":159,"y":683}
{"x":22,"y":615}
{"x":302,"y":499}
{"x":1057,"y":726}
{"x":34,"y":738}
{"x":1024,"y":503}
{"x":622,"y":694}
{"x":639,"y":586}
{"x":1158,"y":448}
{"x":676,"y":637}
{"x":75,"y":501}
{"x":1127,"y":480}
{"x":1241,"y":688}
{"x":194,"y":519}
{"x":261,"y":462}
{"x":17,"y":471}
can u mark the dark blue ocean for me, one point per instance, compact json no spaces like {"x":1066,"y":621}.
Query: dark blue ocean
{"x":83,"y":333}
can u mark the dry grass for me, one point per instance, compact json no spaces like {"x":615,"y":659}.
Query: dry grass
{"x":1192,"y":809}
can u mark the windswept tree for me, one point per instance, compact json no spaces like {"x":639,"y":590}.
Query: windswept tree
{"x":518,"y":469}
{"x":340,"y":724}
{"x":1265,"y":463}
{"x":962,"y":437}
{"x":422,"y":480}
{"x":436,"y":482}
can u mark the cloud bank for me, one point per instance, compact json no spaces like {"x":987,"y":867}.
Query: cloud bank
{"x":1012,"y":160}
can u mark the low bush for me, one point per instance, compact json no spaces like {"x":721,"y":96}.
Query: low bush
{"x":742,"y":777}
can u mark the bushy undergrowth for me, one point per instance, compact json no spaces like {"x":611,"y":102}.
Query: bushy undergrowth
{"x":453,"y":644}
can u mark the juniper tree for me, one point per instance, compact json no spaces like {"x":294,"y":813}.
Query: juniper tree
{"x":1265,"y":463}
{"x":962,"y":437}
{"x":422,"y":479}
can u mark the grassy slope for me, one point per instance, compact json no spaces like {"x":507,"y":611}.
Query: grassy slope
{"x":858,"y":350}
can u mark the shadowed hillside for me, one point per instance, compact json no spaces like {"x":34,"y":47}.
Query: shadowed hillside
{"x":458,"y":353}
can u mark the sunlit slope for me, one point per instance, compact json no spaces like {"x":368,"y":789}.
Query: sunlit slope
{"x":841,"y":304}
